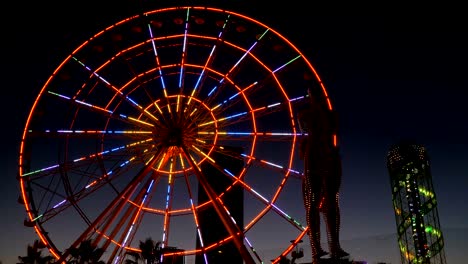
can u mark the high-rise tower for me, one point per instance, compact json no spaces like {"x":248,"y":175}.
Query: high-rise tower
{"x":419,"y":235}
{"x":211,"y":226}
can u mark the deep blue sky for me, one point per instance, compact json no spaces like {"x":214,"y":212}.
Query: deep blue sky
{"x":392,"y":71}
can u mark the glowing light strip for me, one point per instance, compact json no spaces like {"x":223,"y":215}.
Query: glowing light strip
{"x":35,"y":219}
{"x":115,"y":89}
{"x":297,"y":98}
{"x":168,"y":204}
{"x":42,"y":238}
{"x":178,"y":103}
{"x":298,"y":225}
{"x":224,"y":118}
{"x":269,"y":134}
{"x":201,"y":141}
{"x":253,"y":249}
{"x":235,"y":95}
{"x":289,"y":62}
{"x":98,"y":180}
{"x":239,"y":61}
{"x":157,"y":106}
{"x":184,"y":49}
{"x":267,"y":202}
{"x":40,"y":170}
{"x":60,"y":203}
{"x":203,"y":153}
{"x":182,"y":164}
{"x":67,"y":131}
{"x":99,"y":108}
{"x":194,"y":110}
{"x":433,"y":231}
{"x":426,"y":192}
{"x":206,"y":64}
{"x":136,"y":217}
{"x":162,"y":160}
{"x":254,"y":110}
{"x":139,"y":121}
{"x":193,"y":209}
{"x":214,"y":89}
{"x":247,"y":52}
{"x":158,"y":64}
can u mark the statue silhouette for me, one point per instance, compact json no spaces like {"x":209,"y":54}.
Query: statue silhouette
{"x":322,"y":175}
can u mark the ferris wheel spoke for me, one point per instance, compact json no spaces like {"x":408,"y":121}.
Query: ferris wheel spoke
{"x":269,"y":203}
{"x":131,"y":219}
{"x":246,"y":187}
{"x":235,"y":98}
{"x":194,"y":211}
{"x":246,"y":116}
{"x":157,"y":58}
{"x":159,"y":67}
{"x":232,"y":229}
{"x":143,"y":84}
{"x":93,"y":182}
{"x":157,"y":106}
{"x":259,"y":112}
{"x":103,"y":111}
{"x":53,"y":179}
{"x":248,"y":136}
{"x":124,"y":194}
{"x":275,"y":167}
{"x":74,"y":194}
{"x":119,"y":93}
{"x":252,"y":249}
{"x":184,"y":53}
{"x":83,"y":160}
{"x":90,"y":133}
{"x":202,"y":76}
{"x":234,"y":118}
{"x":169,"y":197}
{"x":231,"y":72}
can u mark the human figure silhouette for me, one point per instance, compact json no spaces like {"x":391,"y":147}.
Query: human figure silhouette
{"x":322,"y":175}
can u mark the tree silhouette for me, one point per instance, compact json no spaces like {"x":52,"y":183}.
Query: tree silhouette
{"x":86,"y":253}
{"x":34,"y":254}
{"x":150,"y":253}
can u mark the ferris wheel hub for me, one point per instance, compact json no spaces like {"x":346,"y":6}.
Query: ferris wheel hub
{"x":174,"y":136}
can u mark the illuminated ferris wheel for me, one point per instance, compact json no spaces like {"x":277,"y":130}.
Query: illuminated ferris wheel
{"x":155,"y":111}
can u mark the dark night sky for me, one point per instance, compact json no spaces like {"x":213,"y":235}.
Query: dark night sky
{"x":393,"y":71}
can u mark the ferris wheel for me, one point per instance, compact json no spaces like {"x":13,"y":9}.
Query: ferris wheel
{"x":174,"y":124}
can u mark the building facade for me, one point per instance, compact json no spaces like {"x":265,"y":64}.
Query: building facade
{"x":211,"y":227}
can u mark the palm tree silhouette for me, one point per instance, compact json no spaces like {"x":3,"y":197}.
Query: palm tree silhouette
{"x":86,"y":253}
{"x":34,"y":255}
{"x":150,"y":253}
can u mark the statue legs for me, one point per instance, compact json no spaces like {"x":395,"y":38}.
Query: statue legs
{"x":321,"y":194}
{"x":311,"y":195}
{"x":331,"y":210}
{"x":331,"y":215}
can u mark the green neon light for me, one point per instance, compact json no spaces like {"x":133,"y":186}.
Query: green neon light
{"x":425,"y":192}
{"x":433,"y":231}
{"x":37,"y":217}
